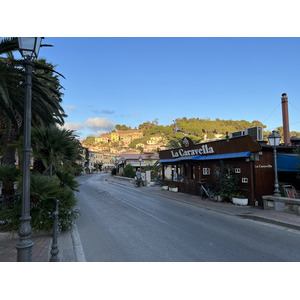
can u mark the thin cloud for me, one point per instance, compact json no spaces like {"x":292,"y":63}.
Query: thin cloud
{"x":96,"y":126}
{"x":136,"y":113}
{"x":73,"y":125}
{"x":99,"y":123}
{"x":103,"y":111}
{"x":71,"y":107}
{"x":98,"y":133}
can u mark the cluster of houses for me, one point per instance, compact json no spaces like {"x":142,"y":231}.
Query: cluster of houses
{"x":110,"y":149}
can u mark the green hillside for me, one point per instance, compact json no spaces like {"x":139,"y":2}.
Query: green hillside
{"x":197,"y":129}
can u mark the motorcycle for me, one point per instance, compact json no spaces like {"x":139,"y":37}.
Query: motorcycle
{"x":138,"y":182}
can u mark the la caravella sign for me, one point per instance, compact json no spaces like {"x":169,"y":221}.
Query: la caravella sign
{"x":203,"y":149}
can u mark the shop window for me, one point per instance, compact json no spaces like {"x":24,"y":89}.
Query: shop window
{"x":168,"y":173}
{"x":174,"y":169}
{"x":217,"y":173}
{"x":178,"y":173}
{"x":199,"y":174}
{"x":192,"y":174}
{"x":186,"y":173}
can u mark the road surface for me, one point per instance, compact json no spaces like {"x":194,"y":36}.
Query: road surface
{"x":120,"y":223}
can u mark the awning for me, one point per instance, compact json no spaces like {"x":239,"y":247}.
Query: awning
{"x":288,"y":163}
{"x":223,"y":156}
{"x":207,"y":157}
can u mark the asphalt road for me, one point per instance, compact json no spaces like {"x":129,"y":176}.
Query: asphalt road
{"x":120,"y":224}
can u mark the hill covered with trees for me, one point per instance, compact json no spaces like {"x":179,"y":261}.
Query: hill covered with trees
{"x":198,"y":130}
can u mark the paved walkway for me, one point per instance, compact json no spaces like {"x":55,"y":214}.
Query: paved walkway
{"x":40,"y":250}
{"x":70,"y":248}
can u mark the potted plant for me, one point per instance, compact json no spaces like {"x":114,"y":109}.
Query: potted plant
{"x":173,"y":188}
{"x":163,"y":186}
{"x":228,"y":183}
{"x":239,"y":199}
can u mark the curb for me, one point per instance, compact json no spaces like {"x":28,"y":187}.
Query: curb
{"x":270,"y":221}
{"x":78,"y":250}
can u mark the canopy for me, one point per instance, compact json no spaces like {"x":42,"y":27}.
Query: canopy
{"x":207,"y":157}
{"x":288,"y":163}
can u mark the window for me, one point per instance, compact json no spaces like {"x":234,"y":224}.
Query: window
{"x":178,"y":173}
{"x":199,"y":174}
{"x":186,"y":173}
{"x":192,"y":174}
{"x":168,"y":172}
{"x":217,"y":172}
{"x":206,"y":171}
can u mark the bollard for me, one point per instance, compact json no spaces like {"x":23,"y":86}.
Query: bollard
{"x":54,"y":247}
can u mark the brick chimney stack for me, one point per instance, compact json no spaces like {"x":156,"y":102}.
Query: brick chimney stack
{"x":285,"y":120}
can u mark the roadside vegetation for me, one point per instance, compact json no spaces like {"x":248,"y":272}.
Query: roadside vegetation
{"x":55,"y":150}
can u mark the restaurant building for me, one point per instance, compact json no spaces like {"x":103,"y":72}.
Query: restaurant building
{"x":192,"y":165}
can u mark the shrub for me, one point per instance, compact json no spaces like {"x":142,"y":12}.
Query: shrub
{"x":113,"y":171}
{"x":128,"y":171}
{"x":228,"y":183}
{"x":8,"y":175}
{"x":43,"y":193}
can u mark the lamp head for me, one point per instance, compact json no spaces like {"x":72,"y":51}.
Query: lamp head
{"x":29,"y":47}
{"x":274,"y":139}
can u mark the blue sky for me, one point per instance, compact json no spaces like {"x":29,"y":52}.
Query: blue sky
{"x":129,"y":81}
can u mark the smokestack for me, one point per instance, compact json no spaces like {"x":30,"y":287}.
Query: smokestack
{"x":285,"y":120}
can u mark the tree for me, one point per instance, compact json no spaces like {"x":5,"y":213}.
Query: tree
{"x":55,"y":148}
{"x":175,"y":143}
{"x":98,"y":166}
{"x":140,"y":148}
{"x":89,"y":140}
{"x":128,"y":171}
{"x":46,"y":96}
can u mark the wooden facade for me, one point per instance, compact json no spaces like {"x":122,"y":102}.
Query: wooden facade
{"x":194,"y":164}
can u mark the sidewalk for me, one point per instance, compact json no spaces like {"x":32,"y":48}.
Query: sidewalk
{"x":69,"y":245}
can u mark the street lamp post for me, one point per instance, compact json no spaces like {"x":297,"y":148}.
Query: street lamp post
{"x":29,"y":49}
{"x":274,"y":140}
{"x":140,"y":160}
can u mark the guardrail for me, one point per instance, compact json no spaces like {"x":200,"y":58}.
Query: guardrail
{"x":281,"y":203}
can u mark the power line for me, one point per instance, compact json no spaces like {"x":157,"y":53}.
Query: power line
{"x":294,"y":106}
{"x":271,"y":113}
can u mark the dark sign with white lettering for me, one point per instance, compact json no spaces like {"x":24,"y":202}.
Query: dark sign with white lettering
{"x":233,"y":145}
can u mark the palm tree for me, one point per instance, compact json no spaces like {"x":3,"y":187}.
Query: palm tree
{"x":46,"y":96}
{"x":55,"y":147}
